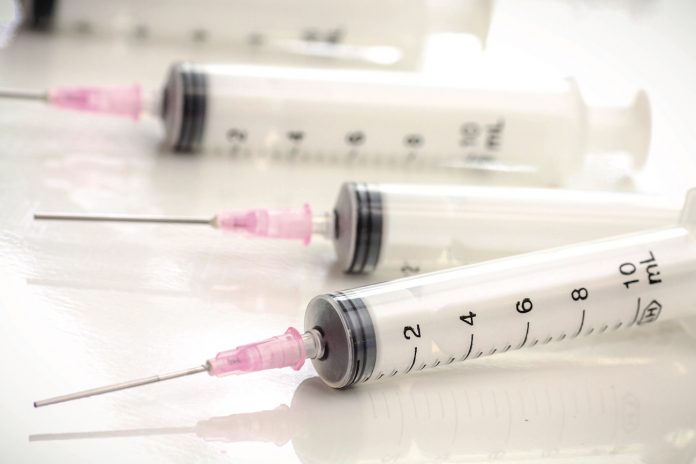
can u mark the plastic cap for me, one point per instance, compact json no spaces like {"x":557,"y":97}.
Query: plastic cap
{"x":285,"y":350}
{"x":120,"y":101}
{"x":294,"y":223}
{"x":621,"y":129}
{"x":460,"y":16}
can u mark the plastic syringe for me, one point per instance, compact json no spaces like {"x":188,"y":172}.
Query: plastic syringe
{"x":321,"y":32}
{"x":423,"y":322}
{"x":537,"y":131}
{"x":418,"y":228}
{"x":558,"y":401}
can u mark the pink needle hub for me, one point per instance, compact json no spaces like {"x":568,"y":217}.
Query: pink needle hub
{"x":290,"y":223}
{"x":120,"y":101}
{"x":285,"y":350}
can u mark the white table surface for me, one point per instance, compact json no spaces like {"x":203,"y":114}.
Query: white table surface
{"x":90,"y":304}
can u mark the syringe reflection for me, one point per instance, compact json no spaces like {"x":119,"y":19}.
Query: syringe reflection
{"x":619,"y":399}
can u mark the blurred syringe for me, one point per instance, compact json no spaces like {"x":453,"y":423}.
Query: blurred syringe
{"x":416,"y":228}
{"x":540,"y":131}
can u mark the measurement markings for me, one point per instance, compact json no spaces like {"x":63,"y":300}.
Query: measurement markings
{"x":635,"y":318}
{"x":526,"y":334}
{"x":415,"y":353}
{"x":471,"y":345}
{"x":582,"y":323}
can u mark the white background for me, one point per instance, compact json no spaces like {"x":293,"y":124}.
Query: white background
{"x":89,"y":304}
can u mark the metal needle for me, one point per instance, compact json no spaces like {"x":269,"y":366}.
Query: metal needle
{"x":113,"y":218}
{"x":23,"y":94}
{"x":112,"y":433}
{"x":120,"y":386}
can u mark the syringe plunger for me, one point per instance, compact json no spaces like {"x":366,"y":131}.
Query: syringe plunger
{"x":626,"y":129}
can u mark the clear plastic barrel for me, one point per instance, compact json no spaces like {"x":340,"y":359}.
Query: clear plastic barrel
{"x":362,"y":32}
{"x":295,"y":114}
{"x":427,"y":228}
{"x":462,"y":314}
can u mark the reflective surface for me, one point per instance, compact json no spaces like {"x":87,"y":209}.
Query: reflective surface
{"x":554,"y":405}
{"x":90,"y":304}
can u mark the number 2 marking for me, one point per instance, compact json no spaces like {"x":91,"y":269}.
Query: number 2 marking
{"x":410,"y":330}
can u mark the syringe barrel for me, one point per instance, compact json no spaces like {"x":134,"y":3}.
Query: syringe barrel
{"x":435,"y":319}
{"x":292,"y":31}
{"x":420,"y":228}
{"x":538,"y":132}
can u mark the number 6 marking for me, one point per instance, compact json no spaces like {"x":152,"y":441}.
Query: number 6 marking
{"x":524,"y":306}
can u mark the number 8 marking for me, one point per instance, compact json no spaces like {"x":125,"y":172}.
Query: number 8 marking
{"x":579,"y":294}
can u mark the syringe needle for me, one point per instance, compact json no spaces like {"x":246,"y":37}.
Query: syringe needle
{"x":23,"y":94}
{"x":288,"y":223}
{"x":287,"y":350}
{"x":121,"y":386}
{"x":112,"y":433}
{"x":114,"y":218}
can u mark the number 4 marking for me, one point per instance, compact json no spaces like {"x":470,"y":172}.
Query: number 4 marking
{"x":468,"y":318}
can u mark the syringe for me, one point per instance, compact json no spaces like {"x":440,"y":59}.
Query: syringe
{"x":323,"y":31}
{"x":577,"y":403}
{"x":410,"y":324}
{"x":418,"y":228}
{"x":540,"y":132}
